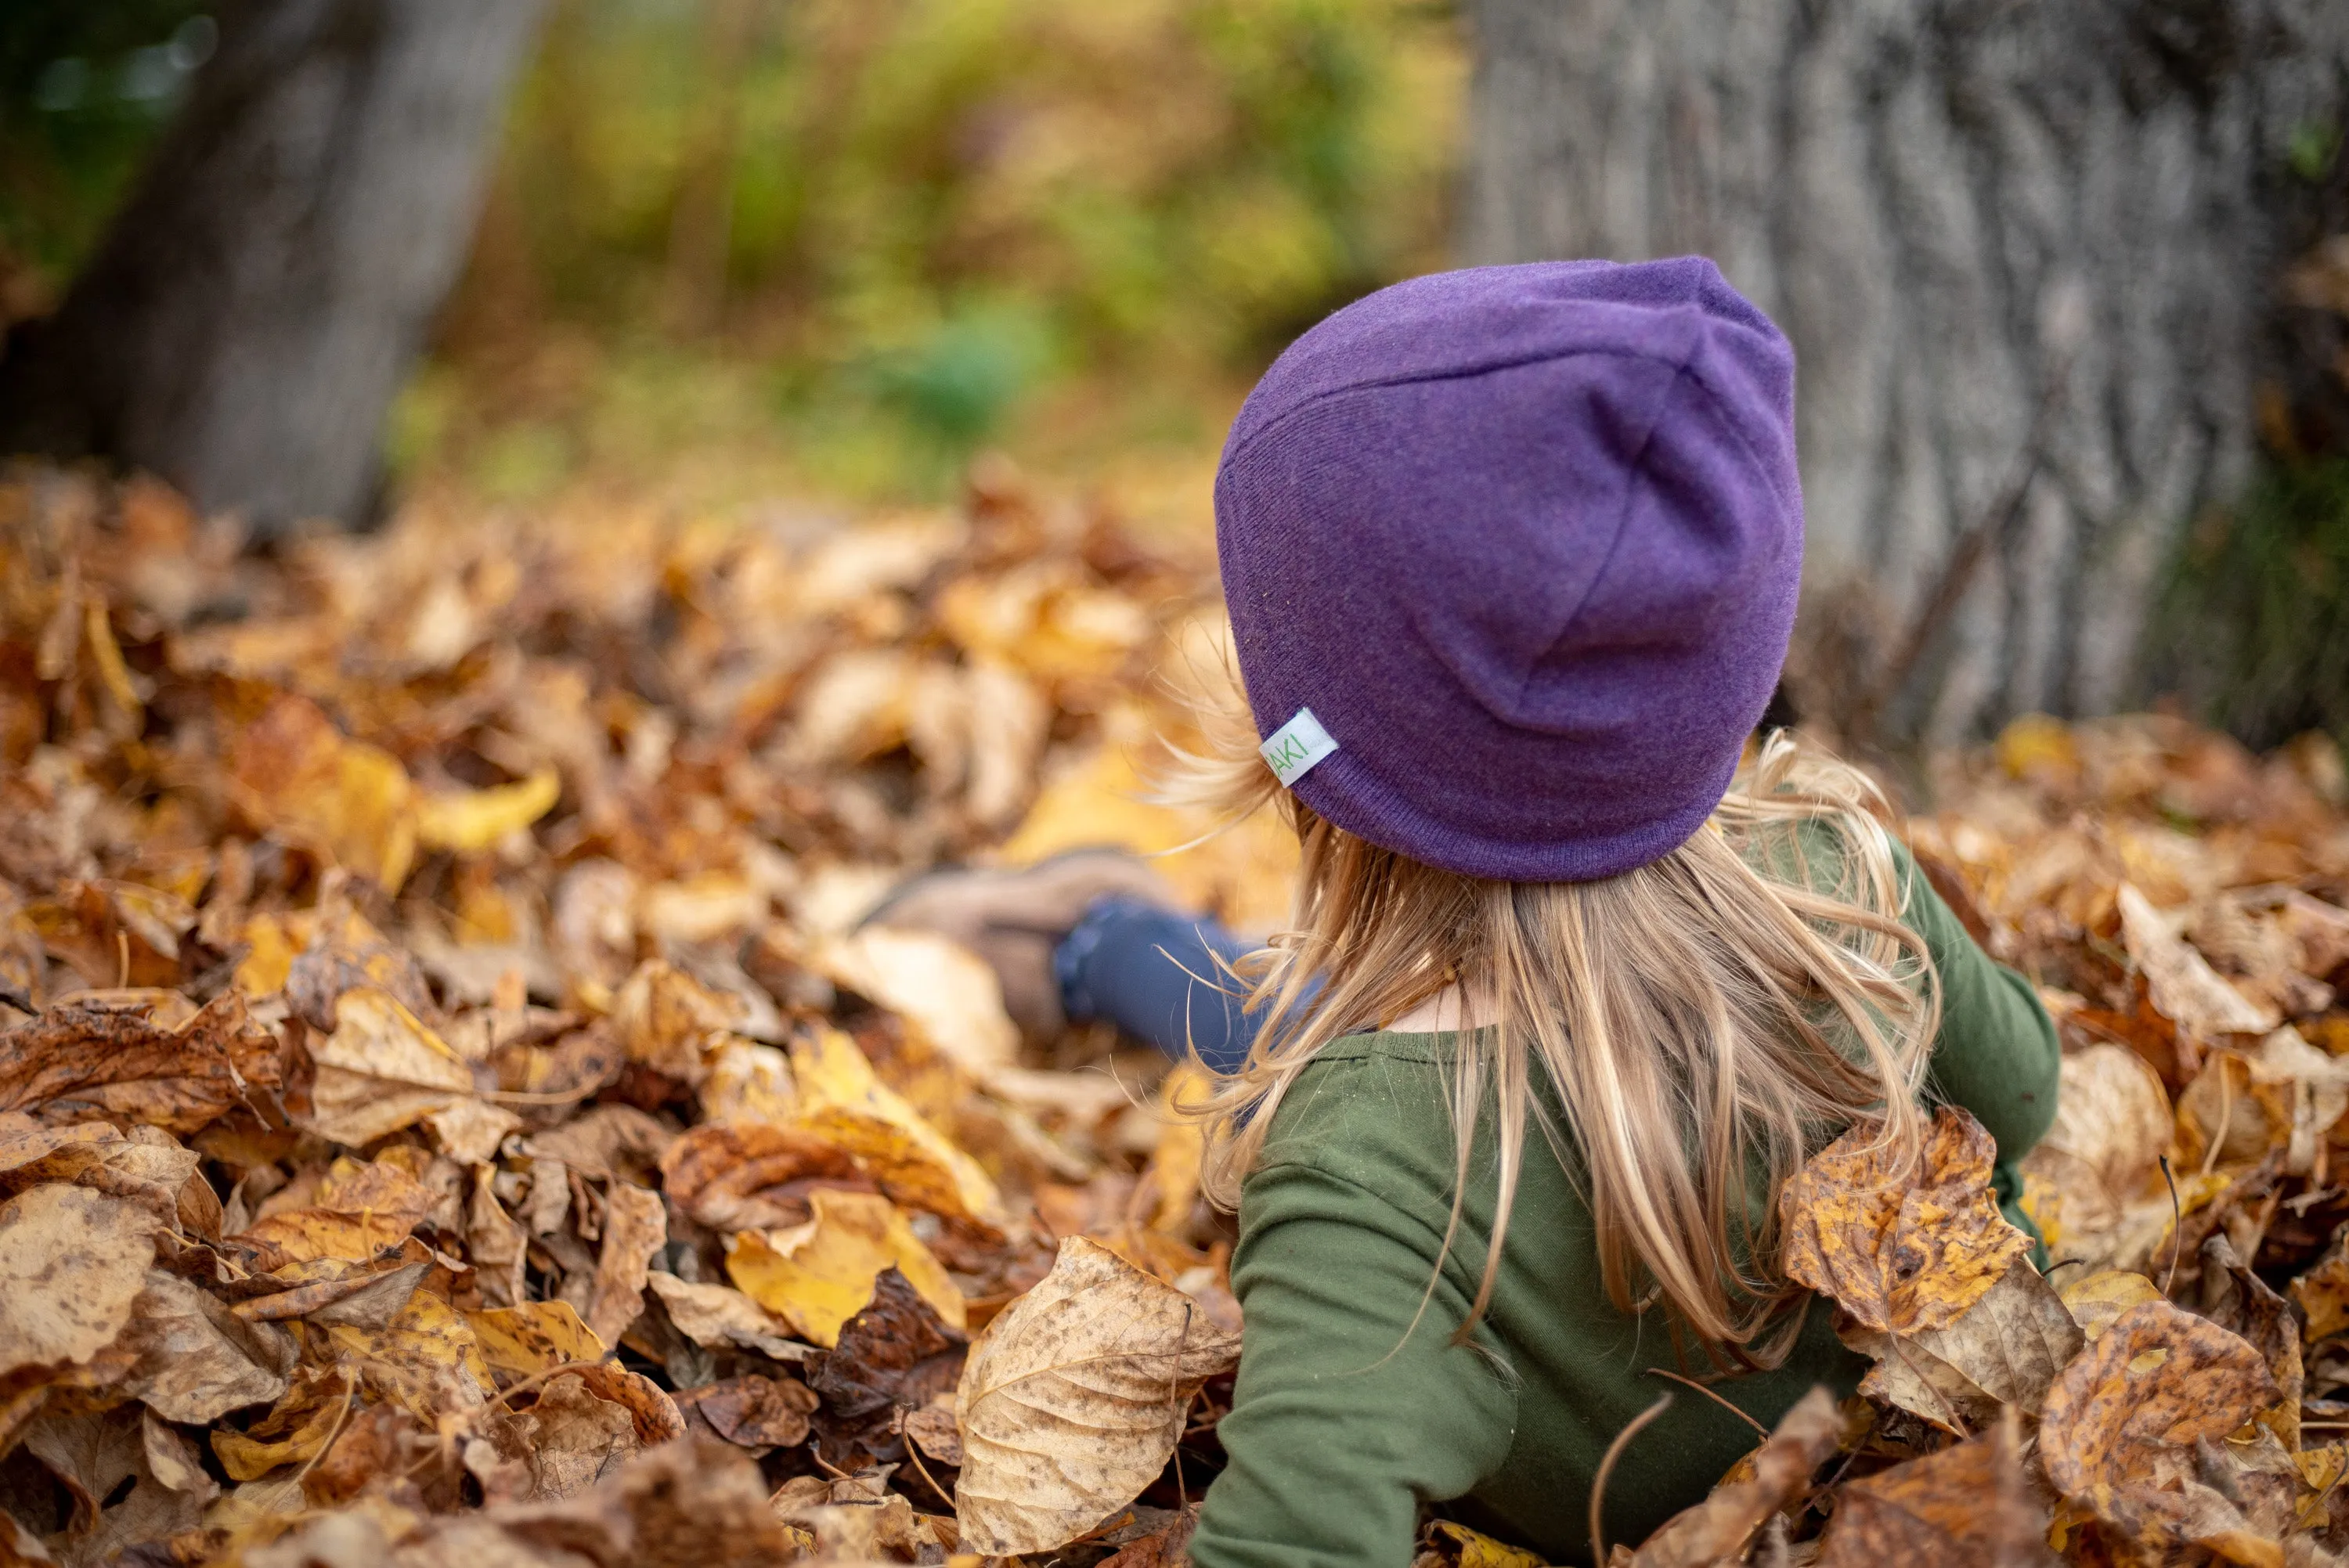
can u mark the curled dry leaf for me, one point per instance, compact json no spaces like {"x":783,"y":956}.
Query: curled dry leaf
{"x":718,"y":1316}
{"x":1967,"y":1506}
{"x":1073,"y":1400}
{"x":941,"y":988}
{"x":1778,"y":1474}
{"x":2006,"y":1348}
{"x":197,"y":1360}
{"x":1902,"y":1245}
{"x":635,"y":1227}
{"x":842,"y":1100}
{"x":76,"y":1063}
{"x":2128,"y":1411}
{"x":756,"y":1412}
{"x":2185,"y":988}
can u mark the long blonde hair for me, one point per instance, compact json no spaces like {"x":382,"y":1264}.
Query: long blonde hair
{"x":1705,"y":1022}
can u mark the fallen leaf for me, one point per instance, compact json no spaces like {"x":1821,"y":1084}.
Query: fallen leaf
{"x":1073,"y":1400}
{"x":74,"y":1063}
{"x":295,"y":774}
{"x":380,"y":1070}
{"x":723,"y":1173}
{"x":2184,"y":987}
{"x":197,"y":1360}
{"x":1778,"y":1474}
{"x":635,"y":1228}
{"x":72,"y":1264}
{"x":756,"y":1412}
{"x":425,"y":1359}
{"x":2009,"y":1345}
{"x":1902,"y":1247}
{"x":295,"y":1428}
{"x":1475,"y":1550}
{"x":942,"y":988}
{"x":2096,"y":1300}
{"x":535,"y":1336}
{"x":819,"y":1275}
{"x":1967,"y":1506}
{"x":2127,"y":1410}
{"x":842,"y":1101}
{"x":718,"y":1316}
{"x":468,"y":821}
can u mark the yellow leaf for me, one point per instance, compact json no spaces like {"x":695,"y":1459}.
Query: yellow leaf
{"x":844,"y":1102}
{"x":536,"y":1337}
{"x":352,"y":802}
{"x":269,"y":957}
{"x":1480,"y":1551}
{"x":471,"y":820}
{"x":2096,"y":1300}
{"x":294,"y":1430}
{"x":818,"y":1275}
{"x":380,"y":1070}
{"x":426,"y":1358}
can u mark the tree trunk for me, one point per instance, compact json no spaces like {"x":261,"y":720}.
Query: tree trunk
{"x":249,"y":317}
{"x":2026,"y":253}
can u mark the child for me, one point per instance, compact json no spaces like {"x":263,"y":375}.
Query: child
{"x":1511,"y":556}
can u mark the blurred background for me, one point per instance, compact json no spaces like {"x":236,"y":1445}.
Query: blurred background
{"x":2067,"y":281}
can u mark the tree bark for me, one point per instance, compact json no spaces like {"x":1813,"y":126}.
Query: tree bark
{"x":2026,"y":253}
{"x":245,"y":323}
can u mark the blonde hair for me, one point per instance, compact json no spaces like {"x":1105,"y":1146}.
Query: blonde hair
{"x":1705,"y":1022}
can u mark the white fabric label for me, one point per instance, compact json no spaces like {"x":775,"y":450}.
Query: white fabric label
{"x":1297,"y":746}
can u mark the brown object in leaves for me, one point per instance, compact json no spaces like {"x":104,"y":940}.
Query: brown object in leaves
{"x":2126,"y":1411}
{"x":76,"y":1064}
{"x":756,"y":1412}
{"x":1967,"y":1506}
{"x":1776,"y":1474}
{"x":1901,"y":1245}
{"x":723,"y":1174}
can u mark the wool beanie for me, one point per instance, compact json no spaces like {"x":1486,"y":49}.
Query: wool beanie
{"x":1511,"y":555}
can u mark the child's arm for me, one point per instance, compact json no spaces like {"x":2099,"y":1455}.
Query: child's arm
{"x":1346,"y":1415}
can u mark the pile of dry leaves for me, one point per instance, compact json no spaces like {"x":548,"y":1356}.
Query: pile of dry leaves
{"x":450,"y":1112}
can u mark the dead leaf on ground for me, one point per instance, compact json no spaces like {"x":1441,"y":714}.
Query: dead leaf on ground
{"x":1073,"y":1398}
{"x":1902,"y":1247}
{"x":2127,"y":1412}
{"x":1967,"y":1506}
{"x":819,"y":1275}
{"x":1777,"y":1473}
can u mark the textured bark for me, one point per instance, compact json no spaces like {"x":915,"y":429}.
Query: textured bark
{"x":2031,"y":241}
{"x":245,"y":323}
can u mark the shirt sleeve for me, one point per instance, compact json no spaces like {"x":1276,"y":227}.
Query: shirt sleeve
{"x":1997,"y":1053}
{"x":1352,"y":1406}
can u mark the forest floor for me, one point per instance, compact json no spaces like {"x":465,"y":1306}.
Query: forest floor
{"x":450,"y":1113}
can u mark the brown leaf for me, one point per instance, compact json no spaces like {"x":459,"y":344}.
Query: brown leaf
{"x":197,"y":1360}
{"x":820,"y":1275}
{"x":1965,"y":1507}
{"x":635,"y":1228}
{"x":724,"y":1174}
{"x":716,"y":1315}
{"x":1778,"y":1474}
{"x":94,"y":1455}
{"x":2007,"y":1347}
{"x":1073,"y":1398}
{"x":1902,"y":1247}
{"x":756,"y":1412}
{"x":72,"y":1064}
{"x":2184,"y":986}
{"x":380,"y":1069}
{"x":2236,"y":1299}
{"x":2128,"y":1410}
{"x":72,"y":1264}
{"x":532,"y":1337}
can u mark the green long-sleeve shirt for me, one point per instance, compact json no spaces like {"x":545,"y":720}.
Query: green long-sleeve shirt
{"x":1346,"y":1418}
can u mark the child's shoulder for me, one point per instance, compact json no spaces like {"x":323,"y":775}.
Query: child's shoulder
{"x":1366,"y":1097}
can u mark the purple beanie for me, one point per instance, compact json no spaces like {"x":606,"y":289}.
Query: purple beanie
{"x":1512,"y":556}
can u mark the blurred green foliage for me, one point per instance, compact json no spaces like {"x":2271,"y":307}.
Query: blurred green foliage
{"x":863,"y":238}
{"x":84,"y":85}
{"x":2256,"y":615}
{"x":930,"y":223}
